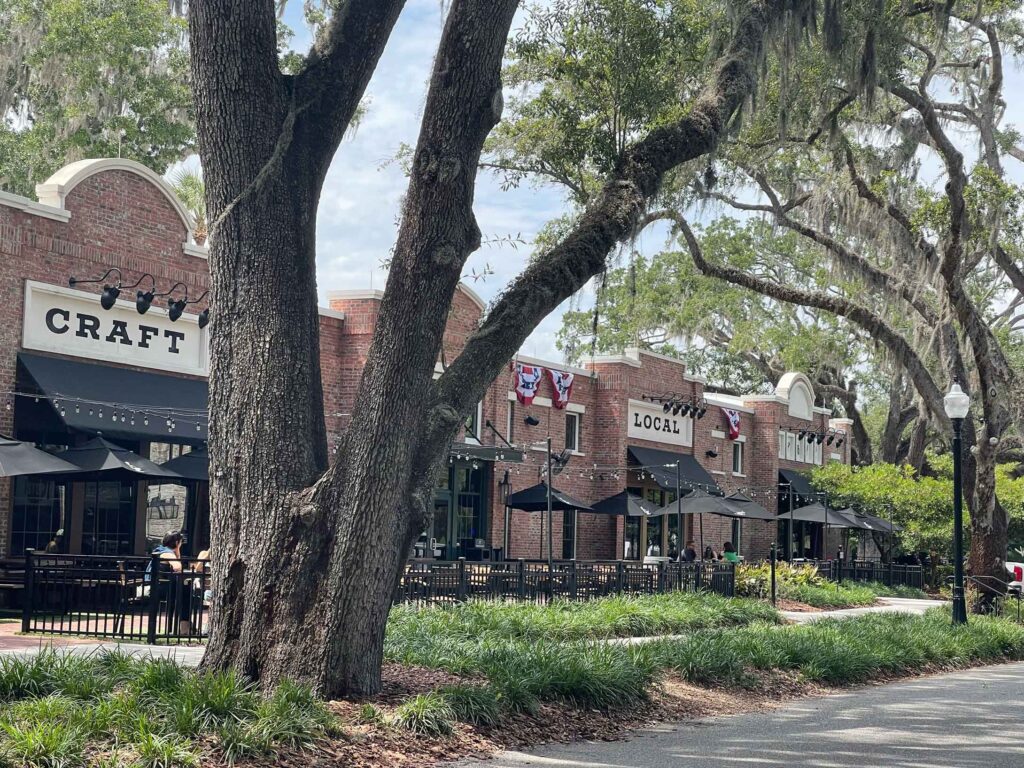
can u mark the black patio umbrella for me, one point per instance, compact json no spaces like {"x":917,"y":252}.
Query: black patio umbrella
{"x":102,"y":459}
{"x":194,"y":465}
{"x":535,"y":499}
{"x":816,"y":513}
{"x":696,"y":502}
{"x":18,"y":458}
{"x":625,"y":503}
{"x":744,"y":507}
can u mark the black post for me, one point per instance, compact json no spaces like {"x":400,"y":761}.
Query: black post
{"x":521,"y":586}
{"x":679,"y":512}
{"x":959,"y":599}
{"x":30,"y":578}
{"x":551,"y":564}
{"x":773,"y":558}
{"x":462,"y":591}
{"x":154,"y":598}
{"x":892,"y":532}
{"x":789,"y":544}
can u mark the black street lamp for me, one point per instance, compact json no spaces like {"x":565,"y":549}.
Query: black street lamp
{"x":957,"y":405}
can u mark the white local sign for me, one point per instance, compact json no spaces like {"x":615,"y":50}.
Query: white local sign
{"x":71,"y":322}
{"x":648,"y":421}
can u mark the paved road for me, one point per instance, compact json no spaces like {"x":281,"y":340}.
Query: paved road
{"x":963,"y":720}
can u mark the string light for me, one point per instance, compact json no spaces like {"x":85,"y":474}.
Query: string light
{"x":125,"y":413}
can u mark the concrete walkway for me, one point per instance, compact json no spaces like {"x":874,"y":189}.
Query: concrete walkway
{"x":886,"y":605}
{"x":961,"y":720}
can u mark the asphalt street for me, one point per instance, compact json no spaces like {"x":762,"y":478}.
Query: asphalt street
{"x":963,"y":720}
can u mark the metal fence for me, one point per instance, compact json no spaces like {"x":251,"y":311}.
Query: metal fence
{"x":891,"y":575}
{"x":124,"y":598}
{"x":447,"y":582}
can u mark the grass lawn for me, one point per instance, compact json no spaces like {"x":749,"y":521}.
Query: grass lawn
{"x":467,"y":673}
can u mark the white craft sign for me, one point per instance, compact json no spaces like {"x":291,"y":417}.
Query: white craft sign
{"x":70,"y":322}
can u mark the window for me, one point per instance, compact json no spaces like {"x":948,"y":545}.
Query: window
{"x":572,"y":431}
{"x":782,"y":444}
{"x":790,"y":446}
{"x":800,"y":444}
{"x":166,"y":507}
{"x":737,"y":534}
{"x":471,"y":425}
{"x":37,"y":516}
{"x":737,"y":458}
{"x":569,"y":535}
{"x":108,"y":519}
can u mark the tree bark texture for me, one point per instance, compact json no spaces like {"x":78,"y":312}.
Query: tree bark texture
{"x":306,"y":558}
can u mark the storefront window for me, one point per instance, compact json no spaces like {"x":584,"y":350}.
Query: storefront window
{"x":458,"y":527}
{"x":165,"y":511}
{"x":108,"y":519}
{"x":37,"y":516}
{"x":568,"y":535}
{"x":631,"y":546}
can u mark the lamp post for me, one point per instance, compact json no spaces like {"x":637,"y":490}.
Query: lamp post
{"x":957,"y":405}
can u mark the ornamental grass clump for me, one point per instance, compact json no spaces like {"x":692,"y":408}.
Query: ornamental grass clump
{"x":473,"y":704}
{"x":427,"y":714}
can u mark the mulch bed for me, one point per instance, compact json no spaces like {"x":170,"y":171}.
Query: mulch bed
{"x":368,"y":745}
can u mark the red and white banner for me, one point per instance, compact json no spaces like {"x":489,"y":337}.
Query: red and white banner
{"x":526,"y":380}
{"x":733,"y":417}
{"x":561,"y":383}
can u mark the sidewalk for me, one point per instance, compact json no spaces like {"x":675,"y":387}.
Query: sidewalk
{"x":888,"y":605}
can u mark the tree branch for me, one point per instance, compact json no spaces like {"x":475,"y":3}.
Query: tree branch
{"x":334,"y":77}
{"x":613,"y":215}
{"x":836,"y":305}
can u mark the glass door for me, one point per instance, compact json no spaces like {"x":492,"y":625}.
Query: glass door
{"x":439,"y":540}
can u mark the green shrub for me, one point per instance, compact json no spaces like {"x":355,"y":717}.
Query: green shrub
{"x":219,"y":697}
{"x":370,"y":715}
{"x":474,"y":704}
{"x":428,"y":714}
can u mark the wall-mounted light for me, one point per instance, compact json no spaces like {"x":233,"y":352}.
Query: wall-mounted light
{"x":711,"y":453}
{"x":531,"y":420}
{"x":110,"y":292}
{"x":204,"y":316}
{"x":175,"y":307}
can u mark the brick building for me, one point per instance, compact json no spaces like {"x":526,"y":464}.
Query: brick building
{"x":71,"y":371}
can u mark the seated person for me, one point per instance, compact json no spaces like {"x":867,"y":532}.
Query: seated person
{"x":710,"y":554}
{"x":729,"y":552}
{"x":690,"y":553}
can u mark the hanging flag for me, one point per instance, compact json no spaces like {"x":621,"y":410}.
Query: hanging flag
{"x":526,"y":379}
{"x":733,"y":418}
{"x":561,"y":382}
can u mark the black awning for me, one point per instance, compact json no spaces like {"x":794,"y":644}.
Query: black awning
{"x":800,"y":483}
{"x":112,"y":402}
{"x":661,"y":466}
{"x":486,"y":452}
{"x":535,"y":499}
{"x":194,"y":465}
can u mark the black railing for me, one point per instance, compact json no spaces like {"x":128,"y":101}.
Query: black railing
{"x":118,"y":598}
{"x":155,"y":600}
{"x":445,"y":582}
{"x":892,"y":575}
